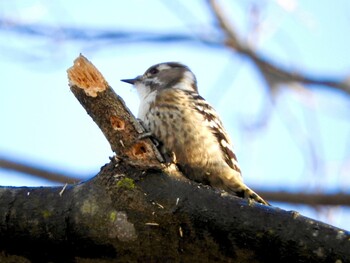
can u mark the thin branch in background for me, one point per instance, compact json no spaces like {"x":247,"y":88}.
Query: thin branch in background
{"x":39,"y":172}
{"x":273,"y":73}
{"x":313,"y":199}
{"x":97,"y":35}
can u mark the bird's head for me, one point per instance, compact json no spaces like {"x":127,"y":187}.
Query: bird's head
{"x":164,"y":76}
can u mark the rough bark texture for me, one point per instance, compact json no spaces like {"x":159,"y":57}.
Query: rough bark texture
{"x":133,"y":211}
{"x":127,"y":214}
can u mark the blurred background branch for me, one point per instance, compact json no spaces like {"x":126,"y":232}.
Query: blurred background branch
{"x":275,"y":75}
{"x":39,"y":172}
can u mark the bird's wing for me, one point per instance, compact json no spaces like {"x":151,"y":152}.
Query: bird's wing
{"x":213,"y":121}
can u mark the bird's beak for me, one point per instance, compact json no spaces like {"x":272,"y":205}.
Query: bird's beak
{"x":132,"y":81}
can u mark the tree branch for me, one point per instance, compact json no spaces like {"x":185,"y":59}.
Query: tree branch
{"x":312,"y":199}
{"x":109,"y":112}
{"x":40,"y":172}
{"x":155,"y":217}
{"x":274,"y":74}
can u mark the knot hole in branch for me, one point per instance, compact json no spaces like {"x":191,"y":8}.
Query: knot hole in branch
{"x":140,"y":149}
{"x":117,"y":123}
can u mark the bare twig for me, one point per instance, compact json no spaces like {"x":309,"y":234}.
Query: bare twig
{"x":271,"y":71}
{"x":40,"y":172}
{"x":274,"y":74}
{"x":312,"y":199}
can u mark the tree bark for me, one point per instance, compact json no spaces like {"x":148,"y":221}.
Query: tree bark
{"x":137,"y":209}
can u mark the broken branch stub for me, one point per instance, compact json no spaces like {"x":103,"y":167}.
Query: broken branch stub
{"x":110,"y":113}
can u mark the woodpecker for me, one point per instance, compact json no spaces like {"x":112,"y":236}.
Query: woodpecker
{"x":188,"y":128}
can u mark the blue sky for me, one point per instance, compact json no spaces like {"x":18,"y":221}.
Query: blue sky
{"x":293,"y":141}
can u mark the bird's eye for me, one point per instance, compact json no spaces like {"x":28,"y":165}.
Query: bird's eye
{"x":154,"y":71}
